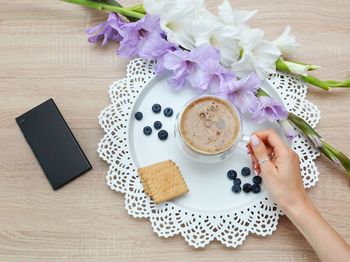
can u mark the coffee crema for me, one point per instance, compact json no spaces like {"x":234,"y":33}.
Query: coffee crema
{"x":209,"y":125}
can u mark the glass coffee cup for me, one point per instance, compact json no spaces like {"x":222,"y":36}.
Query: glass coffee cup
{"x":209,"y":129}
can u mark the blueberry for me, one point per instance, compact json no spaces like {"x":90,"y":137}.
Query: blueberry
{"x":256,"y":188}
{"x":168,"y":112}
{"x":157,"y":125}
{"x":245,"y":171}
{"x":257,"y":180}
{"x":237,"y":181}
{"x":247,"y":187}
{"x":162,"y":135}
{"x":147,"y":130}
{"x":236,"y":188}
{"x":156,"y":108}
{"x":138,"y":116}
{"x":231,"y":174}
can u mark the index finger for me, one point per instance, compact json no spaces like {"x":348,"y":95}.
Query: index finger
{"x":271,"y":138}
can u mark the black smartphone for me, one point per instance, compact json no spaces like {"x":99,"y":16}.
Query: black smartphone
{"x":53,"y":144}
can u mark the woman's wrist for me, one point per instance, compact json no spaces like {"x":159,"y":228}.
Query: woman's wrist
{"x":300,"y":205}
{"x":327,"y":243}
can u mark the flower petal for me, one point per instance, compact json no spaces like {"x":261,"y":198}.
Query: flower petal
{"x":232,"y":17}
{"x":286,"y":42}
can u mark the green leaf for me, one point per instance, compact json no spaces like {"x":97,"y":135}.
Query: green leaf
{"x":303,"y":125}
{"x":329,"y":151}
{"x":328,"y":154}
{"x":343,"y":159}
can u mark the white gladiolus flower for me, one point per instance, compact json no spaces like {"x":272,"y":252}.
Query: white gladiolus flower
{"x":226,"y":40}
{"x":259,"y":55}
{"x":175,"y":18}
{"x":177,"y":30}
{"x":298,"y":69}
{"x":233,"y":17}
{"x":154,"y":7}
{"x":162,"y":8}
{"x":286,"y":42}
{"x":206,"y":28}
{"x":244,"y":66}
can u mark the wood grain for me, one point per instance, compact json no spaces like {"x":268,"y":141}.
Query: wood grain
{"x":44,"y":53}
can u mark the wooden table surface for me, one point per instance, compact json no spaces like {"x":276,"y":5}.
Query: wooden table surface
{"x":44,"y":53}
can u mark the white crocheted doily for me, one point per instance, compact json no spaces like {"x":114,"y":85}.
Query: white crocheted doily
{"x":168,"y":219}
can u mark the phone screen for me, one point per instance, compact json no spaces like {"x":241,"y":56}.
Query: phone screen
{"x":53,"y":144}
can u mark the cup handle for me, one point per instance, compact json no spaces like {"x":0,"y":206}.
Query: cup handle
{"x":245,"y":139}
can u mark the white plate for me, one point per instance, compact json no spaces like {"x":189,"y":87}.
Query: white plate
{"x":210,"y":210}
{"x":210,"y":189}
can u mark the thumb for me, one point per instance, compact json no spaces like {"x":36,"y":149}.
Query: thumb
{"x":260,"y":152}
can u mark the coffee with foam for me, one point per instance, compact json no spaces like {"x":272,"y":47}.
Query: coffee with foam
{"x":209,"y":125}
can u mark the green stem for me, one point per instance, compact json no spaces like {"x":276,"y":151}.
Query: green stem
{"x":109,"y":2}
{"x":282,"y":66}
{"x":291,"y":67}
{"x":106,"y":7}
{"x":138,"y":8}
{"x":261,"y":93}
{"x":311,"y":67}
{"x":241,"y":52}
{"x":335,"y":84}
{"x":316,"y":82}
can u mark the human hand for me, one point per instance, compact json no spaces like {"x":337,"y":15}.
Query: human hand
{"x":281,"y":176}
{"x":281,"y":171}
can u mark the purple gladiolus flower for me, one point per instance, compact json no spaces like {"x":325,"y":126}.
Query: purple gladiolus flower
{"x":109,"y":30}
{"x":186,"y":66}
{"x":136,"y":36}
{"x":288,"y":129}
{"x":215,"y":78}
{"x":242,"y":93}
{"x":181,"y":66}
{"x":155,"y":49}
{"x":269,"y":109}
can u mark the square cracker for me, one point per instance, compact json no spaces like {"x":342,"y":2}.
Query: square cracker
{"x":163,"y":181}
{"x":167,"y":184}
{"x":157,"y":176}
{"x":148,"y":171}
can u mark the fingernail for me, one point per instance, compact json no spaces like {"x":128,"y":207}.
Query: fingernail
{"x":254,"y":140}
{"x":255,"y":167}
{"x":255,"y":172}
